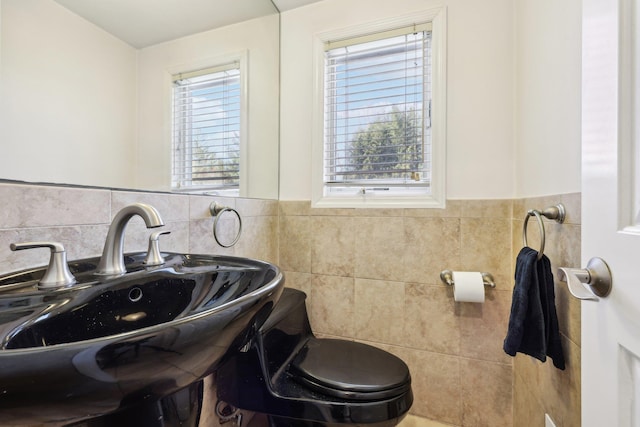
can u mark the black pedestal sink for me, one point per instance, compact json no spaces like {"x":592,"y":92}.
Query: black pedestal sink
{"x":109,"y":344}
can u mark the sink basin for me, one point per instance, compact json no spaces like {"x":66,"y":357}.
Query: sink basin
{"x":109,"y":342}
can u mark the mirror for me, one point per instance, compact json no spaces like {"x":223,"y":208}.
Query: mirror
{"x":80,"y":106}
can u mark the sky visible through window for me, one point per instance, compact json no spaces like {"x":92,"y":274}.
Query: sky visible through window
{"x":377,"y":95}
{"x":207,"y":129}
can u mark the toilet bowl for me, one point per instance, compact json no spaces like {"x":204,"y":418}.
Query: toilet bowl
{"x":288,"y":377}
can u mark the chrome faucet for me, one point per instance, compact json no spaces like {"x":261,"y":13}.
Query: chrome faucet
{"x":112,"y":260}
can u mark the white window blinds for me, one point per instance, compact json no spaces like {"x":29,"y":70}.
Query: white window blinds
{"x":377,"y":112}
{"x":206,"y":128}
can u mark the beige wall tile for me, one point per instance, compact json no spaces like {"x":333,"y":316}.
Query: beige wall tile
{"x":527,"y":410}
{"x":79,"y":242}
{"x":527,"y":368}
{"x":333,"y":245}
{"x":431,"y":319}
{"x":295,"y":207}
{"x":560,"y":390}
{"x":379,"y":311}
{"x":520,"y":207}
{"x":436,"y":383}
{"x":430,"y":246}
{"x":554,"y":391}
{"x":484,"y":326}
{"x":516,"y":245}
{"x":377,"y":212}
{"x":51,"y":206}
{"x":201,"y":239}
{"x":176,"y":241}
{"x":172,"y":207}
{"x":485,"y":245}
{"x":564,"y":245}
{"x":569,"y":311}
{"x":564,"y":251}
{"x":259,"y":238}
{"x":380,"y":249}
{"x":332,"y":305}
{"x":487,"y":209}
{"x":299,"y":281}
{"x":295,"y":243}
{"x":83,"y":241}
{"x":452,"y":209}
{"x":257,"y":207}
{"x":573,"y":206}
{"x":332,"y":212}
{"x":486,"y":393}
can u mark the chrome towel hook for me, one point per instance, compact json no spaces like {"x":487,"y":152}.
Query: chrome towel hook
{"x":556,"y":213}
{"x":217,"y":210}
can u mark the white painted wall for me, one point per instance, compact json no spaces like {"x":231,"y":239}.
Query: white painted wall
{"x":548,"y":85}
{"x":79,"y":106}
{"x":68,"y":98}
{"x":513,"y":95}
{"x":480,"y":130}
{"x":259,"y":38}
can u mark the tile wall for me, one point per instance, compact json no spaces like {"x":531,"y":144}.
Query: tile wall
{"x":370,"y":275}
{"x":373,"y":276}
{"x":79,"y":219}
{"x":541,"y":388}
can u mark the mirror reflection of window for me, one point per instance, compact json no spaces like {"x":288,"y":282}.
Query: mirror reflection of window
{"x":206,"y":130}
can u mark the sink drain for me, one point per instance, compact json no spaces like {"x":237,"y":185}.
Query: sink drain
{"x":135,"y":294}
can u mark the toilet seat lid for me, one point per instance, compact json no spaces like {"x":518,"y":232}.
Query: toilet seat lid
{"x":350,"y":370}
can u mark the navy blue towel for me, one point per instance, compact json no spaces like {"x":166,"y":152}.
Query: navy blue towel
{"x":533,"y":324}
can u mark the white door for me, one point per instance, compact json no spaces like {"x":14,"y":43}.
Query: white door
{"x":611,"y":211}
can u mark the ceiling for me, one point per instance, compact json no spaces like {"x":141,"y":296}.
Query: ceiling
{"x":143,"y":23}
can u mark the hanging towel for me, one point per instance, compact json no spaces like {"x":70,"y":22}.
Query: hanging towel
{"x":533,"y":323}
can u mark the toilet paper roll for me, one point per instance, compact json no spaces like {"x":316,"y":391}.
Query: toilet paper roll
{"x":468,"y":286}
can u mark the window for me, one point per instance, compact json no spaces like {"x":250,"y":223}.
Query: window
{"x":378,"y":127}
{"x":207,"y":129}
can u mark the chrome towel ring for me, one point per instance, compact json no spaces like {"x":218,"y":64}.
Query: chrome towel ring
{"x":217,"y":210}
{"x":556,"y":213}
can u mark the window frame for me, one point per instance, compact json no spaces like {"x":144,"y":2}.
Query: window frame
{"x":241,"y":58}
{"x":436,"y":198}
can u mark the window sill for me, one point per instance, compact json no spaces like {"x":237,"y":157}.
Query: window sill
{"x":378,"y":202}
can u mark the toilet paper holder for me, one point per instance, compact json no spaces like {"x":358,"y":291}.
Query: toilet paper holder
{"x":447,"y":278}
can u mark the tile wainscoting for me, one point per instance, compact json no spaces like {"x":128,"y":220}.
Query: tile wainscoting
{"x":370,"y":275}
{"x":374,"y":276}
{"x":540,"y":388}
{"x":79,"y":219}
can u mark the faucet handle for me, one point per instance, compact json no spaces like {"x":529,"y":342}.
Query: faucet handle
{"x":153,"y":254}
{"x":57,"y":274}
